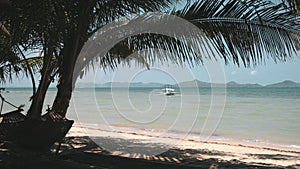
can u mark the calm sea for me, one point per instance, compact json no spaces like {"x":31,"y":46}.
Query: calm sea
{"x":260,"y":115}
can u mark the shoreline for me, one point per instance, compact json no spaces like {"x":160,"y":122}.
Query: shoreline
{"x":230,"y":150}
{"x":92,"y":130}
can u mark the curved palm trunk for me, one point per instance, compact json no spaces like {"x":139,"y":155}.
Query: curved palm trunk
{"x":34,"y":133}
{"x":65,"y":81}
{"x":40,"y":135}
{"x":38,"y":98}
{"x":36,"y":106}
{"x":73,"y":46}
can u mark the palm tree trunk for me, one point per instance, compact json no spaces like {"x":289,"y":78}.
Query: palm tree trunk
{"x":73,"y":45}
{"x":65,"y":81}
{"x":38,"y":98}
{"x":62,"y":98}
{"x":36,"y":106}
{"x":33,"y":133}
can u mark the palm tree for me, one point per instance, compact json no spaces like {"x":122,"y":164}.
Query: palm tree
{"x":243,"y":32}
{"x":260,"y":27}
{"x":56,"y":28}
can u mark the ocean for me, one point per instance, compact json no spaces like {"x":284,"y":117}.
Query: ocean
{"x":257,"y":115}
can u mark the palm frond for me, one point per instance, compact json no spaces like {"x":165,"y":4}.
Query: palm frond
{"x":149,"y":41}
{"x":106,"y":11}
{"x":25,"y":30}
{"x":146,"y":48}
{"x":294,"y":5}
{"x":17,"y":67}
{"x":250,"y":29}
{"x":246,"y":31}
{"x":7,"y":55}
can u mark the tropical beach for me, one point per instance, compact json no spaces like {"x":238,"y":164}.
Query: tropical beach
{"x":251,"y":140}
{"x":149,"y":84}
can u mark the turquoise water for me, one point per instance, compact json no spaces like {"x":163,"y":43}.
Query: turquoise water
{"x":267,"y":115}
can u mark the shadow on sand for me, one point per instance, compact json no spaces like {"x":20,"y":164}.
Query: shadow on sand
{"x":83,"y":153}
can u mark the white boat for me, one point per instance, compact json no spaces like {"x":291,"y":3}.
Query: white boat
{"x":168,"y":91}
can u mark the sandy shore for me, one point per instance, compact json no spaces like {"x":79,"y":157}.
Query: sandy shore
{"x":191,"y":149}
{"x":119,"y":150}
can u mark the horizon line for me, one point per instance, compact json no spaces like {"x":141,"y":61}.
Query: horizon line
{"x":51,"y":87}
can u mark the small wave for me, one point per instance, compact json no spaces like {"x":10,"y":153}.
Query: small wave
{"x":290,"y":146}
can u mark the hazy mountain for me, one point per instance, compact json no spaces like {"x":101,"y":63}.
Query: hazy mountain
{"x":286,"y":83}
{"x":205,"y":84}
{"x":120,"y":85}
{"x":146,"y":85}
{"x":193,"y":83}
{"x":235,"y":84}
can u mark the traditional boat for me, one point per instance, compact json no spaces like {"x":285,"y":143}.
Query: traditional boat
{"x":168,"y":91}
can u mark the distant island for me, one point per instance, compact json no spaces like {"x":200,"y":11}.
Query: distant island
{"x":286,"y":83}
{"x":232,"y":84}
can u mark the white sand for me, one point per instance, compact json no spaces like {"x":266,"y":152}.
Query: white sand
{"x":252,"y":154}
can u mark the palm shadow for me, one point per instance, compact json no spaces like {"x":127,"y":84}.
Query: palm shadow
{"x":91,"y":153}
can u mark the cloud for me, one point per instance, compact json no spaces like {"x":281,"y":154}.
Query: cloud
{"x":253,"y":72}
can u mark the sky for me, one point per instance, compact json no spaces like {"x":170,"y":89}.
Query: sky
{"x":210,"y":71}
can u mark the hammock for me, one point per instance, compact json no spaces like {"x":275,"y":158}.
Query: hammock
{"x":42,"y":133}
{"x":34,"y":134}
{"x":11,"y":120}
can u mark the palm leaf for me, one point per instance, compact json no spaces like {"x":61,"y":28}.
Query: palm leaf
{"x":106,"y":11}
{"x":246,"y":32}
{"x":9,"y":69}
{"x":294,"y":5}
{"x":252,"y":30}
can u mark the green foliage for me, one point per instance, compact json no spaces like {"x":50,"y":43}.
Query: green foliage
{"x":243,"y":32}
{"x":246,"y":31}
